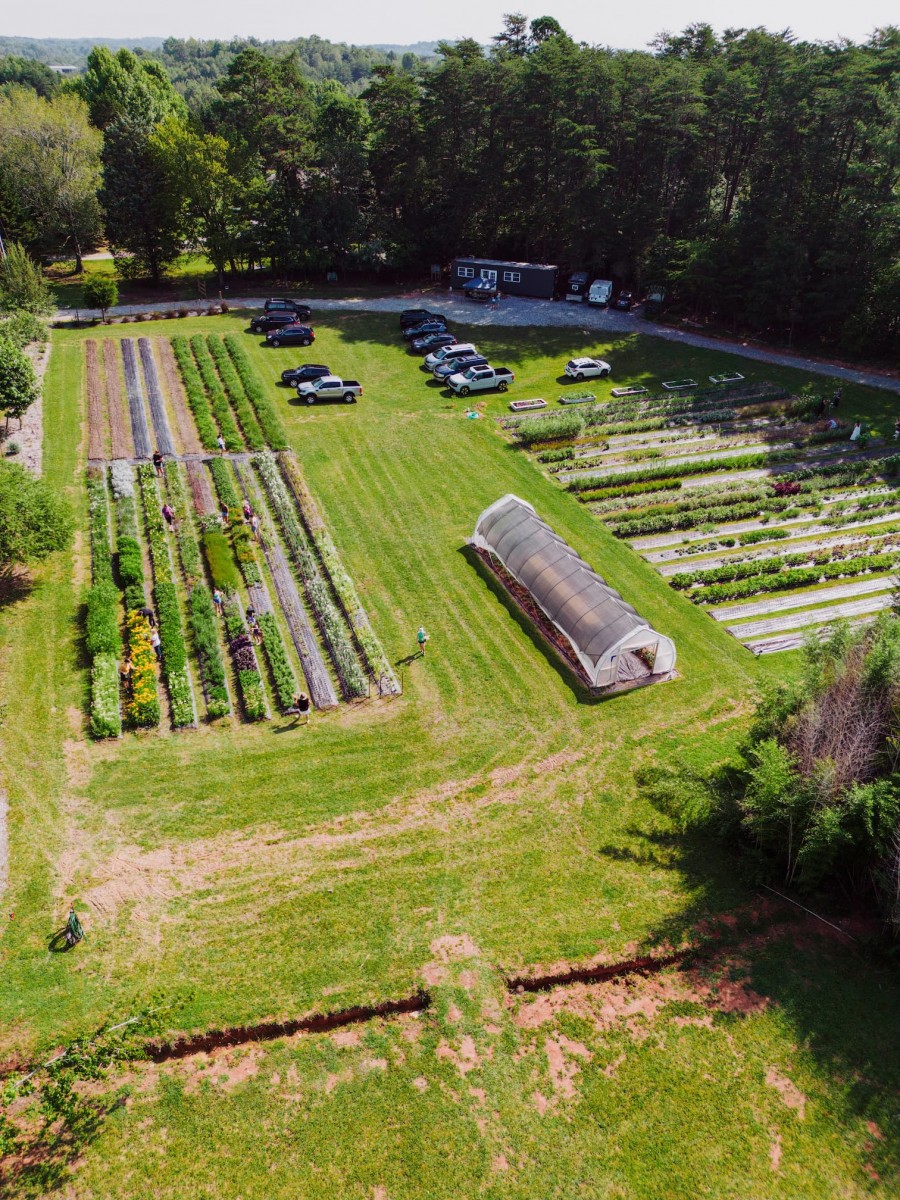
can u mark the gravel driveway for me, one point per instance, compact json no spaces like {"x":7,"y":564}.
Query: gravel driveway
{"x":518,"y":310}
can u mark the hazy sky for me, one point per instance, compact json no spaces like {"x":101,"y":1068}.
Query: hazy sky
{"x":403,"y":21}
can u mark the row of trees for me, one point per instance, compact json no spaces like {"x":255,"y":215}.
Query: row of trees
{"x":755,"y":175}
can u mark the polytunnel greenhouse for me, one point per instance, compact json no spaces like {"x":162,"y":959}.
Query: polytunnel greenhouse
{"x":609,"y":641}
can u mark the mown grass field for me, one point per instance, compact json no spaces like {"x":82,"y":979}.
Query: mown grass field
{"x":271,"y":871}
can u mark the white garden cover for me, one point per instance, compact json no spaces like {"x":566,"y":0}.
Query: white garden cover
{"x":592,"y":615}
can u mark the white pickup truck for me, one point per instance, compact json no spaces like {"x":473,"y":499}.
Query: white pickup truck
{"x":481,"y":379}
{"x":329,"y":387}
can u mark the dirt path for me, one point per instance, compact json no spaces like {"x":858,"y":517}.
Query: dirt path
{"x":96,"y":410}
{"x":140,"y":431}
{"x":154,"y":394}
{"x":121,"y":442}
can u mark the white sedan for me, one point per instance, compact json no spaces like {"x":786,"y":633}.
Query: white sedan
{"x":587,"y":368}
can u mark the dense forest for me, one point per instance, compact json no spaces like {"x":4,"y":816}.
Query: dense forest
{"x":757,"y":176}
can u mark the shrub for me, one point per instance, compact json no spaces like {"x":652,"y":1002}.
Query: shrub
{"x":106,"y":719}
{"x":257,"y":395}
{"x":236,"y":394}
{"x":554,"y":456}
{"x":217,"y":400}
{"x":12,"y":449}
{"x":220,"y":561}
{"x":196,"y":396}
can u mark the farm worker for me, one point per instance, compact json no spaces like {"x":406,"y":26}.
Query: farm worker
{"x":158,"y":462}
{"x":223,"y":513}
{"x":217,"y":599}
{"x":169,"y":513}
{"x":147,"y":612}
{"x":254,"y":524}
{"x":422,"y":639}
{"x":248,"y":511}
{"x":156,"y":644}
{"x":220,"y":442}
{"x":125,"y":672}
{"x":857,"y":430}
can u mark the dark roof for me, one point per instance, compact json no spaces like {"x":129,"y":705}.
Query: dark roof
{"x":499,"y":262}
{"x":577,"y":600}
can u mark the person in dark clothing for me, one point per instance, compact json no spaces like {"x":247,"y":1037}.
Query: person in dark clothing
{"x":223,"y":513}
{"x":169,"y":513}
{"x":147,"y":612}
{"x":158,"y":462}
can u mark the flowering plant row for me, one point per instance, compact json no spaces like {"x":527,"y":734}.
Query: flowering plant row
{"x":342,"y":583}
{"x":218,"y":403}
{"x":684,"y":516}
{"x":788,"y":579}
{"x":282,"y":672}
{"x":103,"y":640}
{"x":256,"y":393}
{"x":235,"y":391}
{"x":330,"y":621}
{"x":249,"y":678}
{"x":703,"y":466}
{"x":196,"y":396}
{"x":106,"y":717}
{"x":165,"y":595}
{"x":142,"y":706}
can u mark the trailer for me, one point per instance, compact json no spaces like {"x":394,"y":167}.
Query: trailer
{"x":512,"y":278}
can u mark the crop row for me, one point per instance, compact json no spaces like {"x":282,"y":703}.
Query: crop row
{"x":266,"y":411}
{"x":789,"y":579}
{"x":282,"y":671}
{"x":241,"y":538}
{"x":235,"y":390}
{"x":341,"y":581}
{"x":140,"y":431}
{"x":244,"y":658}
{"x":103,"y":641}
{"x":687,"y":517}
{"x":214,"y":391}
{"x":142,"y":702}
{"x":331,"y":623}
{"x":705,"y":466}
{"x":165,"y":595}
{"x":201,"y":610}
{"x":745,"y":568}
{"x":196,"y":395}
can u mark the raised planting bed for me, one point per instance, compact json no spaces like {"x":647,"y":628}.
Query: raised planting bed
{"x":103,"y":641}
{"x":168,"y":612}
{"x":525,"y":405}
{"x":321,"y":688}
{"x":240,"y":644}
{"x":164,"y":442}
{"x":195,"y":392}
{"x":142,"y":710}
{"x":234,"y":389}
{"x":140,"y":431}
{"x":726,"y":377}
{"x":266,"y":412}
{"x":332,"y":623}
{"x":634,"y":390}
{"x":216,"y":394}
{"x":118,"y":429}
{"x":96,"y":408}
{"x":680,"y":385}
{"x":343,"y":585}
{"x":187,"y":431}
{"x":578,"y":398}
{"x":813,"y":616}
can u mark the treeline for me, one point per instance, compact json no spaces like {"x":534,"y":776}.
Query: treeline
{"x":753,"y":175}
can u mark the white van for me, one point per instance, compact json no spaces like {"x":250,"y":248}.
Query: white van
{"x":600,"y":291}
{"x":446,"y":352}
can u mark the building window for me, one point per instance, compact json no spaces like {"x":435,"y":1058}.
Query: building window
{"x":512,"y":276}
{"x":466,"y":272}
{"x":490,"y":276}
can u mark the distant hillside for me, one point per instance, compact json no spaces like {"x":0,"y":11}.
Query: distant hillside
{"x":70,"y":51}
{"x":422,"y":49}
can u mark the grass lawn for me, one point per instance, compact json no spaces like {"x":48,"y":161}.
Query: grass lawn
{"x":269,"y":871}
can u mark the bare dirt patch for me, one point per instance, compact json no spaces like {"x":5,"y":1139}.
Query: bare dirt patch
{"x":450,"y":947}
{"x":788,"y":1091}
{"x":775,"y":1151}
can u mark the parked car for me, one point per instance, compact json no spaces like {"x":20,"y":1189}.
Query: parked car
{"x":454,"y":365}
{"x":600,"y":292}
{"x":417,"y":331}
{"x":624,"y":302}
{"x":302,"y":312}
{"x":432,"y":341}
{"x":269,"y":321}
{"x":415,"y":316}
{"x":330,"y":387}
{"x":587,"y":368}
{"x":305,"y":373}
{"x":444,"y":353}
{"x":291,"y":335}
{"x":481,"y":379}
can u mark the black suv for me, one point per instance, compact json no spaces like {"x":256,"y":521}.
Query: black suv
{"x":435,"y":325}
{"x":281,"y":304}
{"x":275,"y":320}
{"x":415,"y":316}
{"x":291,"y":335}
{"x":305,"y":373}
